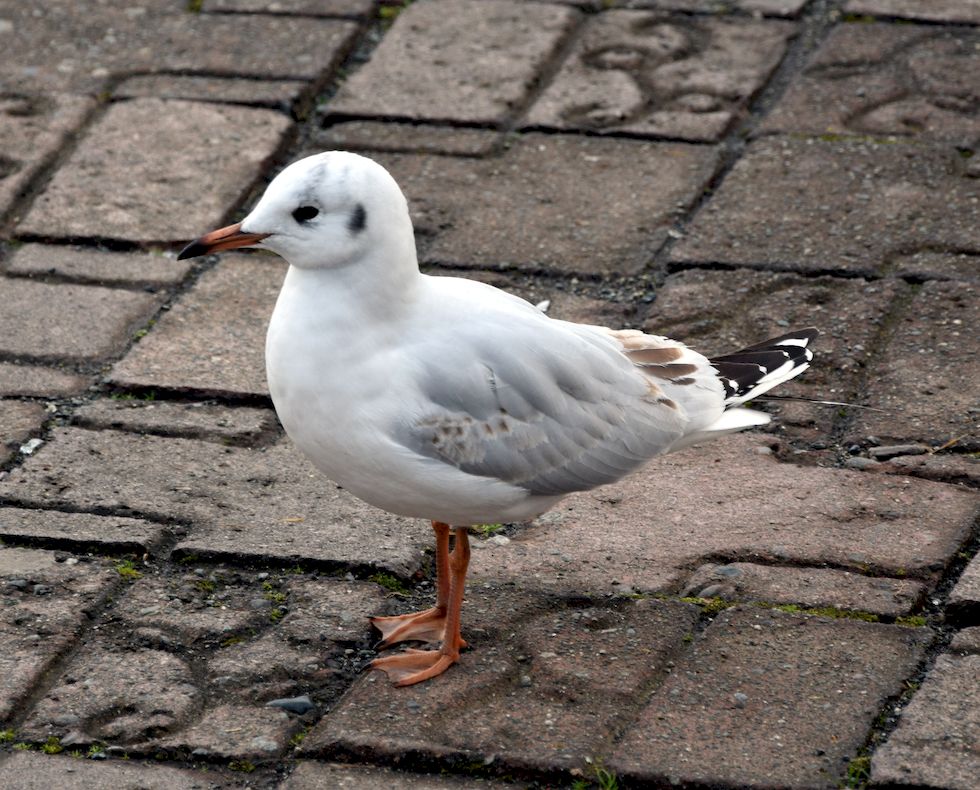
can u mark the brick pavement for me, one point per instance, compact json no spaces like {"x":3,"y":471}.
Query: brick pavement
{"x":798,"y":607}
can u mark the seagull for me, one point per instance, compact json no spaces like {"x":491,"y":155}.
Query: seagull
{"x":451,"y":400}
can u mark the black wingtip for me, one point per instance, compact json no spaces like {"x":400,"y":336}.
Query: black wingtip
{"x":193,"y":250}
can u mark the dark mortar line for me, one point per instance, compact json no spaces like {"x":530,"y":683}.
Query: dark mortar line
{"x":870,"y":18}
{"x":752,"y":558}
{"x":813,"y":26}
{"x":870,"y":275}
{"x":168,"y":394}
{"x":95,"y":548}
{"x":336,"y":117}
{"x":613,"y":134}
{"x":267,"y":12}
{"x":877,"y":345}
{"x":22,"y":203}
{"x":888,"y":719}
{"x":259,"y":441}
{"x":59,"y":278}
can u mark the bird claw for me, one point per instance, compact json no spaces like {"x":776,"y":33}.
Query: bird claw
{"x":425,"y":626}
{"x":414,"y":666}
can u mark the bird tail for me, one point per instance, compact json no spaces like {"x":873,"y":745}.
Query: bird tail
{"x":749,"y":373}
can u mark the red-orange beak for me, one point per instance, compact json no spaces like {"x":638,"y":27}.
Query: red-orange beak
{"x":228,"y":238}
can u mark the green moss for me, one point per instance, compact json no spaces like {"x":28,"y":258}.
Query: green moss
{"x":95,"y":749}
{"x":486,"y":530}
{"x":391,"y":583}
{"x":911,"y":620}
{"x":233,"y":640}
{"x":128,"y":571}
{"x":23,"y":747}
{"x":242,"y":766}
{"x":859,"y":19}
{"x":206,"y":585}
{"x":6,"y":736}
{"x":710,"y":605}
{"x":52,"y":746}
{"x":195,"y":6}
{"x":275,"y":615}
{"x":389,"y":12}
{"x":858,"y":772}
{"x":297,"y":739}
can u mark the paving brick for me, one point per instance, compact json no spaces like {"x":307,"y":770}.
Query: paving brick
{"x":213,"y":339}
{"x":845,"y":205}
{"x":773,"y":7}
{"x":650,"y":74}
{"x":34,"y":381}
{"x":56,"y":48}
{"x":883,"y":79}
{"x":809,"y":587}
{"x":305,"y":7}
{"x":957,"y":468}
{"x":926,"y":376}
{"x":767,"y":699}
{"x":34,"y":129}
{"x":930,"y":265}
{"x":151,"y":170}
{"x":405,"y":137}
{"x":964,"y":600}
{"x":966,"y":641}
{"x":195,"y":420}
{"x":535,"y":207}
{"x":937,"y":741}
{"x":310,"y":775}
{"x":47,"y":322}
{"x":33,"y":771}
{"x":545,"y":686}
{"x":19,"y":421}
{"x":45,"y":605}
{"x":80,"y":531}
{"x":932,"y":10}
{"x":258,"y":504}
{"x":115,"y":696}
{"x":725,"y":499}
{"x":717,"y":312}
{"x":276,"y":94}
{"x":460,"y":60}
{"x":235,"y":732}
{"x":88,"y":265}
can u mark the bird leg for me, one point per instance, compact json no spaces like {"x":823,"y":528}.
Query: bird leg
{"x":414,"y":666}
{"x":427,"y":625}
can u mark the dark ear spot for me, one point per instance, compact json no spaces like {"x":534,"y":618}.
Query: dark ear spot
{"x":357,"y":220}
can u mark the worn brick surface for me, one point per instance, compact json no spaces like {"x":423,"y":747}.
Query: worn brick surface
{"x":69,"y":322}
{"x":965,"y":597}
{"x":544,"y":685}
{"x":536,"y":207}
{"x":809,"y":688}
{"x":304,"y":7}
{"x":932,"y":10}
{"x":718,"y":312}
{"x":958,"y":468}
{"x":19,"y":421}
{"x":87,"y":265}
{"x":35,"y":381}
{"x":117,"y":696}
{"x":31,"y":771}
{"x":267,"y":503}
{"x":809,"y":587}
{"x":219,"y":329}
{"x":884,"y":80}
{"x":80,"y":530}
{"x":277,"y":94}
{"x":157,"y":171}
{"x":405,"y":137}
{"x":80,"y":47}
{"x":311,"y":775}
{"x":33,"y":130}
{"x":835,"y":205}
{"x":196,"y":420}
{"x":235,"y":732}
{"x":645,"y":73}
{"x":926,"y":377}
{"x":966,"y":641}
{"x":774,"y":7}
{"x":462,"y":60}
{"x":937,"y":741}
{"x":45,"y":604}
{"x":726,"y":499}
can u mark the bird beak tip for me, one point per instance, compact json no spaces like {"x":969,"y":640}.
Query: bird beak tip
{"x":227,"y":238}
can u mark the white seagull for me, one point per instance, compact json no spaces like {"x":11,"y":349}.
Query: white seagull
{"x":451,"y":400}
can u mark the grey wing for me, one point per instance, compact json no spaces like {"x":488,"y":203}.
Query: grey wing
{"x":568,"y":413}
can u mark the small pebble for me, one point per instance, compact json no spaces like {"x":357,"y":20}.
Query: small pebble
{"x":740,"y":699}
{"x":19,"y":584}
{"x":299,"y":705}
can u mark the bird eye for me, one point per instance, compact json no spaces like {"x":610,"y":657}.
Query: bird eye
{"x":305,"y":213}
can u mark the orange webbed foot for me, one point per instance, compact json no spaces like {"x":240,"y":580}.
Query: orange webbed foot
{"x":426,"y":626}
{"x":414,"y":666}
